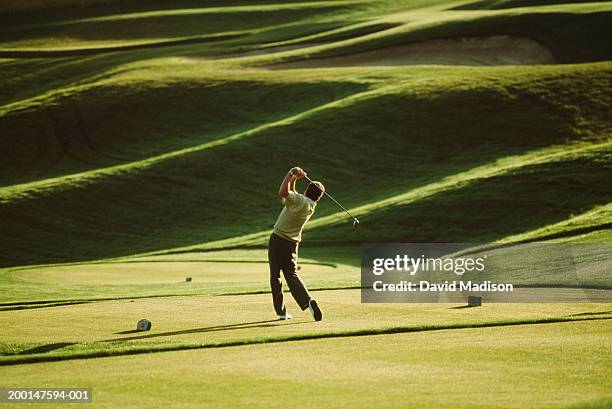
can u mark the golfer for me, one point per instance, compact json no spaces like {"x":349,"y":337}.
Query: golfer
{"x":284,"y":242}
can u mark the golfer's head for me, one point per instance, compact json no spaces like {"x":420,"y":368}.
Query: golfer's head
{"x":314,"y":191}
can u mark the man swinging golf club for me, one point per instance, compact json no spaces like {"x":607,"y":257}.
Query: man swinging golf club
{"x":284,"y":242}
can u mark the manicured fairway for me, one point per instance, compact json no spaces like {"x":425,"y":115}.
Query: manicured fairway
{"x":107,"y":327}
{"x":142,"y":143}
{"x":543,"y":366}
{"x":221,"y":272}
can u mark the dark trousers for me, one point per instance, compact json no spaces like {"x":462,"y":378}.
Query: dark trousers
{"x":283,"y":255}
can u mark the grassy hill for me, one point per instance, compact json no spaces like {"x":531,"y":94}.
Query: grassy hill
{"x":225,"y":142}
{"x":143,"y":143}
{"x":152,"y":150}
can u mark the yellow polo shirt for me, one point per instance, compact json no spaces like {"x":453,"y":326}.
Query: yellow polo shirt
{"x":296,"y":212}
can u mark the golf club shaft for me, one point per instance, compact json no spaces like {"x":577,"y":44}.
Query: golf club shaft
{"x":334,"y":200}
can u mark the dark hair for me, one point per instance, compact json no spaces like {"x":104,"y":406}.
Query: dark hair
{"x":314,"y":191}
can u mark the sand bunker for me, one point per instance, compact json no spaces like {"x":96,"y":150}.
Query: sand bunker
{"x":495,"y":50}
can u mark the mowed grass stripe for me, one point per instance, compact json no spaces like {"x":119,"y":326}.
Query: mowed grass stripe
{"x":479,"y":368}
{"x":19,"y":191}
{"x":191,"y":11}
{"x":595,"y":219}
{"x":118,"y":351}
{"x":26,"y":305}
{"x":457,"y":181}
{"x":25,"y":190}
{"x":427,"y":24}
{"x":82,"y":51}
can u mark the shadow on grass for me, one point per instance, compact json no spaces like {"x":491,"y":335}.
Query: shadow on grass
{"x":461,"y":307}
{"x":29,"y":306}
{"x":242,"y":325}
{"x":591,"y":313}
{"x":131,"y":331}
{"x":145,"y":349}
{"x":41,"y":349}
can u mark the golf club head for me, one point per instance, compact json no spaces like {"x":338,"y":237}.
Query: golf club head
{"x":355,"y":224}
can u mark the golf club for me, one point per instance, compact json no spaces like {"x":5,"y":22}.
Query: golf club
{"x":355,"y":221}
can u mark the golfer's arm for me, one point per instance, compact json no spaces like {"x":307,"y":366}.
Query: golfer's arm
{"x":287,"y":184}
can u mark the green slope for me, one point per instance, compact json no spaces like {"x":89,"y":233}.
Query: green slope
{"x":403,"y":148}
{"x":122,"y":173}
{"x":117,"y":122}
{"x":169,"y":149}
{"x":573,"y":33}
{"x":133,"y":25}
{"x":483,"y":211}
{"x":506,"y":4}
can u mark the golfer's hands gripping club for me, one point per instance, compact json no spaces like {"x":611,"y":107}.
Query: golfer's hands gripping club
{"x":288,"y":183}
{"x":297,"y":172}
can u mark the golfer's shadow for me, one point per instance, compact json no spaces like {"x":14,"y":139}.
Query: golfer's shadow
{"x":462,"y":307}
{"x":42,"y":349}
{"x":242,"y":325}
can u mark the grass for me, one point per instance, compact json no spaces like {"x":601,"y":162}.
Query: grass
{"x":459,"y":358}
{"x":217,"y":108}
{"x":65,"y":332}
{"x":213,"y":273}
{"x":463,"y":206}
{"x":572,"y":32}
{"x":597,"y":218}
{"x":160,"y":25}
{"x":125,"y":170}
{"x":496,"y":95}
